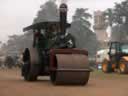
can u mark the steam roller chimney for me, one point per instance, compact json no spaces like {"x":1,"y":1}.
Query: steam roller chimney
{"x":63,"y":17}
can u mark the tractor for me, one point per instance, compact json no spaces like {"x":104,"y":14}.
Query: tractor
{"x":54,"y":53}
{"x":117,"y":59}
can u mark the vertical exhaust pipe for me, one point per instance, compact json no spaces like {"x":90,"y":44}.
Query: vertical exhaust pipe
{"x":63,"y":17}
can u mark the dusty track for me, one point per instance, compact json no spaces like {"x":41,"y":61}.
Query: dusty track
{"x":11,"y":84}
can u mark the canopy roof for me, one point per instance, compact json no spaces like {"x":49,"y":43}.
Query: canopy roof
{"x":44,"y":25}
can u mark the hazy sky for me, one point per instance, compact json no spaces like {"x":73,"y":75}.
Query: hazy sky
{"x":16,"y":14}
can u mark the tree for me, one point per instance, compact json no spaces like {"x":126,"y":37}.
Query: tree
{"x":48,"y":12}
{"x":118,"y":16}
{"x":109,"y":19}
{"x":82,"y":15}
{"x":80,"y":29}
{"x":109,"y":16}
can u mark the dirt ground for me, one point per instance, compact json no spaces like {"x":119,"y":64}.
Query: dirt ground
{"x":100,"y":84}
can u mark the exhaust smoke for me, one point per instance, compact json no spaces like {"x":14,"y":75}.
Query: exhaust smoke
{"x":64,"y":1}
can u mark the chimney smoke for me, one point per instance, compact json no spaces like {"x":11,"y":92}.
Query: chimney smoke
{"x":63,"y":1}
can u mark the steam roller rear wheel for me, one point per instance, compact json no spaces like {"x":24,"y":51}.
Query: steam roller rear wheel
{"x":71,"y":69}
{"x":28,"y":76}
{"x":123,"y":68}
{"x":107,"y":67}
{"x":30,"y":68}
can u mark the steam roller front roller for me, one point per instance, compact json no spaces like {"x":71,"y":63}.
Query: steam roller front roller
{"x":69,"y":69}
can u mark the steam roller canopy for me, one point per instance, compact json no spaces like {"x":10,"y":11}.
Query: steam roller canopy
{"x":71,"y":69}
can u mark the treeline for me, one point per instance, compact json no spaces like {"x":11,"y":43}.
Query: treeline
{"x":80,"y":29}
{"x":117,"y":19}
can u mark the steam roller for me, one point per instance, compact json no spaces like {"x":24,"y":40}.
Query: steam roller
{"x":54,"y":54}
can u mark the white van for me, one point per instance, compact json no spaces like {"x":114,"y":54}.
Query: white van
{"x":100,"y":55}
